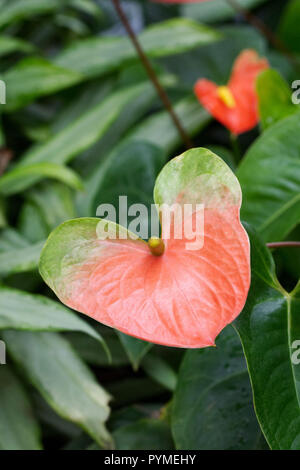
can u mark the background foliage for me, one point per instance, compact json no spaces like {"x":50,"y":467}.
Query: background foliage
{"x":83,"y":124}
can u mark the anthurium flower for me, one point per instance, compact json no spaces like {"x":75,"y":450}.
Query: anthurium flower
{"x":161,"y":291}
{"x":235,"y":105}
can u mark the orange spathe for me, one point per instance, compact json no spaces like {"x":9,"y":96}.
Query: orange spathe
{"x":185,"y":296}
{"x":241,"y":115}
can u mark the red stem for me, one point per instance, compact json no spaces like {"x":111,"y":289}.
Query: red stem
{"x":152,"y":75}
{"x":283,"y":244}
{"x":5,"y":157}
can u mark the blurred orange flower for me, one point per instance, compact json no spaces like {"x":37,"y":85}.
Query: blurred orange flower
{"x":235,"y":105}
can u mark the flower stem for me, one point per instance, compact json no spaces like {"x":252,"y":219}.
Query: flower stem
{"x":283,"y":244}
{"x":271,"y":37}
{"x":152,"y":75}
{"x":235,"y":147}
{"x":5,"y":157}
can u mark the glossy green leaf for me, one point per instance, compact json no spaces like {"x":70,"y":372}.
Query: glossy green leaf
{"x":216,"y":10}
{"x":270,"y":178}
{"x":159,"y":129}
{"x":160,"y":371}
{"x":53,"y":424}
{"x":10,"y":238}
{"x":269,"y":328}
{"x":19,"y":429}
{"x":10,"y":44}
{"x":289,"y":26}
{"x":145,"y":434}
{"x":31,"y":223}
{"x":3,"y":221}
{"x":15,"y":180}
{"x":82,"y":133}
{"x":63,"y":380}
{"x":35,"y":77}
{"x":87,"y":6}
{"x":275,"y":98}
{"x":93,"y":92}
{"x":16,"y":10}
{"x":112,"y":148}
{"x":54,"y":202}
{"x":212,"y":407}
{"x":88,"y":349}
{"x":144,"y":390}
{"x":20,"y":260}
{"x":96,"y":56}
{"x":23,"y":311}
{"x":135,"y":348}
{"x":130,"y":170}
{"x":89,"y":162}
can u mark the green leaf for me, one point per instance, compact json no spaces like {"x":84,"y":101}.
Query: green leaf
{"x":35,"y":77}
{"x":216,"y":10}
{"x":88,"y":7}
{"x":63,"y":380}
{"x":270,"y":179}
{"x":54,"y":202}
{"x":159,"y":129}
{"x":9,"y":44}
{"x":82,"y":133}
{"x":145,"y":434}
{"x":20,"y":260}
{"x":93,"y":162}
{"x":18,"y":427}
{"x":31,"y":223}
{"x":144,"y":390}
{"x":160,"y":371}
{"x":23,"y":311}
{"x":10,"y":238}
{"x":96,"y":56}
{"x":88,"y":348}
{"x":289,"y":26}
{"x":93,"y":92}
{"x":135,"y":348}
{"x":130,"y":170}
{"x":212,"y":407}
{"x":274,"y":96}
{"x":87,"y":163}
{"x":16,"y":10}
{"x":15,"y":180}
{"x":270,"y":330}
{"x":3,"y":221}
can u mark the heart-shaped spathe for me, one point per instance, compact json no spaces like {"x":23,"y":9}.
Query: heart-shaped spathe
{"x":183,"y":298}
